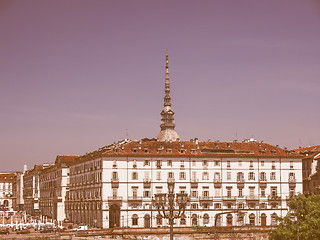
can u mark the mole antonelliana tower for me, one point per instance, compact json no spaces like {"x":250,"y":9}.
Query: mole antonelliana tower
{"x":167,"y":126}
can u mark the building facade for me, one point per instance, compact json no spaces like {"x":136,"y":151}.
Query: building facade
{"x":31,"y":189}
{"x":54,"y":182}
{"x":6,"y":193}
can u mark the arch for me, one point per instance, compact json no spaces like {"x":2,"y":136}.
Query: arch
{"x":159,"y":219}
{"x":252,"y":219}
{"x":134,"y":220}
{"x":114,"y":216}
{"x":229,"y":219}
{"x":194,"y":220}
{"x":206,"y":219}
{"x":6,"y":203}
{"x":274,"y":219}
{"x":263,"y":219}
{"x":147,"y":221}
{"x":218,"y":220}
{"x":183,"y":219}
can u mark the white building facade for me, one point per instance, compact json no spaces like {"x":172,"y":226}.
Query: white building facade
{"x":6,"y":191}
{"x":115,"y":186}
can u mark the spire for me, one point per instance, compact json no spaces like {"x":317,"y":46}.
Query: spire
{"x":167,"y":126}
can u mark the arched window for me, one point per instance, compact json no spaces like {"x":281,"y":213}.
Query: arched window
{"x":159,"y":219}
{"x":274,"y":220}
{"x":206,"y":219}
{"x":134,"y":220}
{"x":218,"y":220}
{"x":147,"y":221}
{"x":240,"y":219}
{"x":252,"y":218}
{"x":194,"y":220}
{"x":183,"y":220}
{"x":229,"y":219}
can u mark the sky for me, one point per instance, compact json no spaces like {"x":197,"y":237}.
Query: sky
{"x":79,"y":75}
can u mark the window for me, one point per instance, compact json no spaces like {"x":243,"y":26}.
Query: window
{"x":240,"y":192}
{"x":194,"y":194}
{"x":114,"y":192}
{"x":146,"y":163}
{"x":206,"y":218}
{"x":216,"y":163}
{"x":169,"y":163}
{"x":228,"y":164}
{"x":291,"y":176}
{"x":229,"y":205}
{"x":158,"y":175}
{"x":240,"y":163}
{"x":194,"y":163}
{"x":217,"y":176}
{"x":205,"y":176}
{"x":182,"y":164}
{"x":217,"y":192}
{"x":205,"y":194}
{"x":263,"y":205}
{"x":115,"y":176}
{"x":217,"y":205}
{"x":114,"y":164}
{"x":251,"y":191}
{"x":194,"y":176}
{"x":274,"y":219}
{"x":170,"y":175}
{"x":158,"y":163}
{"x":263,"y":176}
{"x":134,"y":192}
{"x":134,"y":176}
{"x":262,"y":163}
{"x":147,"y":194}
{"x":273,"y":167}
{"x":291,"y":164}
{"x":251,"y":164}
{"x":205,"y":163}
{"x":251,"y":176}
{"x":134,"y":220}
{"x":229,"y":191}
{"x":194,"y":206}
{"x":272,"y":176}
{"x":240,"y":205}
{"x":134,"y":164}
{"x":159,"y":219}
{"x":263,"y":192}
{"x":273,"y":191}
{"x":240,"y":176}
{"x":228,"y":175}
{"x":183,"y":220}
{"x":182,"y":176}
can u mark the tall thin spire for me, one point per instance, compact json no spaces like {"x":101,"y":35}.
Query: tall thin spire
{"x":167,"y":126}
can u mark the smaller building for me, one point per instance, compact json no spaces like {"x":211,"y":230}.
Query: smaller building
{"x":6,"y":181}
{"x":31,"y":189}
{"x":54,"y":182}
{"x":310,"y":169}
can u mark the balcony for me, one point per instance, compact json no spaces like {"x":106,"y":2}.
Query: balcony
{"x":217,"y":182}
{"x":115,"y":199}
{"x":274,"y":198}
{"x":194,"y":183}
{"x":240,"y":183}
{"x":292,"y":182}
{"x":253,"y":198}
{"x":263,"y":182}
{"x":115,"y":182}
{"x":134,"y":199}
{"x":205,"y":199}
{"x":146,"y":183}
{"x":229,"y":198}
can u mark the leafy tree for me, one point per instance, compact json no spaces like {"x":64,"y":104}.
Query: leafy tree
{"x":305,"y":212}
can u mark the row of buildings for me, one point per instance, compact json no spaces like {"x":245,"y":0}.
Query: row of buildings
{"x":115,"y":185}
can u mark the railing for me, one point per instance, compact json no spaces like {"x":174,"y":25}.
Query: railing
{"x":229,"y":198}
{"x":115,"y":198}
{"x":206,"y":198}
{"x":252,"y":198}
{"x":135,"y":198}
{"x":274,"y":198}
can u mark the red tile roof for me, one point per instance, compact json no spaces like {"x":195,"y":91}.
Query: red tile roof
{"x":311,"y":149}
{"x":65,"y":159}
{"x":7,"y":177}
{"x":151,"y":147}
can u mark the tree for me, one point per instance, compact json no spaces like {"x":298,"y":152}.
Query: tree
{"x":303,"y":218}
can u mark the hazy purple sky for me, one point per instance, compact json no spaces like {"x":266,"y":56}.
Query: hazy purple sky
{"x":74,"y":75}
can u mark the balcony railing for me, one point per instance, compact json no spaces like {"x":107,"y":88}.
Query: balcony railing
{"x":146,"y":183}
{"x":292,"y":182}
{"x":134,"y":199}
{"x":229,"y":198}
{"x":205,"y":199}
{"x":274,"y":198}
{"x":240,"y":182}
{"x":252,"y":198}
{"x":115,"y":199}
{"x":263,"y":182}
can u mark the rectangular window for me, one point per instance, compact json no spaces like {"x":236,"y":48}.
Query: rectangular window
{"x":158,"y":175}
{"x":194,"y":176}
{"x":273,"y":167}
{"x":262,"y":163}
{"x":169,"y":163}
{"x":251,"y":164}
{"x":251,"y":176}
{"x":134,"y":192}
{"x":205,"y":193}
{"x":229,"y":194}
{"x":205,"y":163}
{"x":170,"y":175}
{"x":273,"y":191}
{"x":251,"y":191}
{"x":240,"y":192}
{"x":272,"y":176}
{"x":159,"y":163}
{"x":217,"y":192}
{"x":216,"y":163}
{"x":205,"y":176}
{"x":134,"y":175}
{"x":115,"y":192}
{"x":228,"y":175}
{"x":291,"y":164}
{"x":217,"y":176}
{"x":263,"y":192}
{"x":146,"y":163}
{"x":228,"y":164}
{"x":194,"y":194}
{"x":194,"y":163}
{"x":182,"y":176}
{"x":217,"y":205}
{"x":146,"y":194}
{"x":115,"y":176}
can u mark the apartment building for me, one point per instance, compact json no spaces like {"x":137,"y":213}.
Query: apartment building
{"x":53,"y":184}
{"x":6,"y":194}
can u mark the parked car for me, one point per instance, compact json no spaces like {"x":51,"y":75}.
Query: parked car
{"x":4,"y":231}
{"x":81,"y":228}
{"x":23,"y":231}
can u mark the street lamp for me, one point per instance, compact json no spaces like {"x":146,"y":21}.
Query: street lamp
{"x":166,"y":205}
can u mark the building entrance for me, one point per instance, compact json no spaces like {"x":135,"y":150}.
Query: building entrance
{"x":114,"y":216}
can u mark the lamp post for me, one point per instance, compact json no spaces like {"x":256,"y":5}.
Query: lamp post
{"x":167,"y":207}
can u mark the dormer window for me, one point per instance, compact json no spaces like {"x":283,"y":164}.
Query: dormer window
{"x":146,"y":150}
{"x":117,"y":150}
{"x":169,"y":150}
{"x":193,"y":151}
{"x":134,"y":150}
{"x":182,"y":151}
{"x":159,"y":150}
